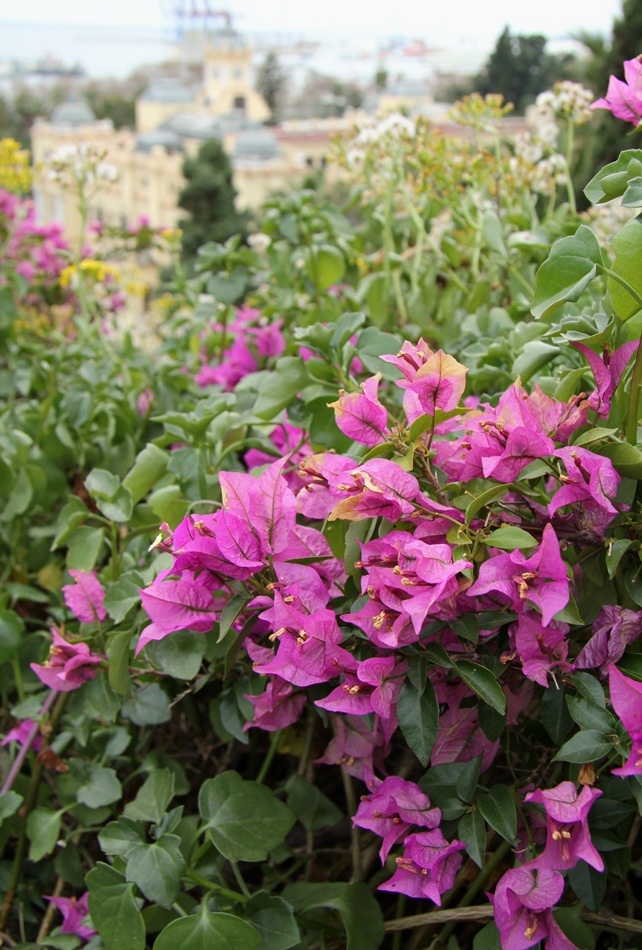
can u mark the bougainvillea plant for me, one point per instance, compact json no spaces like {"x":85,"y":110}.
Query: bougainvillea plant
{"x":376,"y":681}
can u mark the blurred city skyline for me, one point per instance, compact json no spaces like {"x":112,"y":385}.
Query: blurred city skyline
{"x":467,"y":20}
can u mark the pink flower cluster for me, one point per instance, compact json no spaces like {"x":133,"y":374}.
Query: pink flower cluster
{"x":415,"y":586}
{"x":38,"y":254}
{"x":254,"y":342}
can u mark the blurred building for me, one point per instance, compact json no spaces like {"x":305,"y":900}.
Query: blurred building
{"x":172,"y":121}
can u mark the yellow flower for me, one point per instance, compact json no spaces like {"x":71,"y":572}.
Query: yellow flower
{"x":15,"y":171}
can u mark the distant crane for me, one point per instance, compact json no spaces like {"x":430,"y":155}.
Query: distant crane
{"x":192,"y":15}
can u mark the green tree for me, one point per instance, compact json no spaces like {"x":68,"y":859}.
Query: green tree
{"x":271,"y":82}
{"x":209,"y":197}
{"x":520,"y":68}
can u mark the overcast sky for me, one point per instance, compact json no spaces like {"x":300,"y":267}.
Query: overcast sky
{"x":434,"y":21}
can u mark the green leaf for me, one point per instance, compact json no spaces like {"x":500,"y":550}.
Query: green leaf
{"x":120,"y":837}
{"x":487,"y":938}
{"x":280,"y":386}
{"x":118,"y":646}
{"x":589,"y":716}
{"x":113,"y":500}
{"x":510,"y":538}
{"x":579,"y":932}
{"x":11,"y":631}
{"x":156,"y":869}
{"x":311,"y":807}
{"x":555,"y":715}
{"x":498,"y":808}
{"x":179,"y":655}
{"x":149,"y":707}
{"x":103,"y":788}
{"x":612,"y":181}
{"x":43,"y":831}
{"x":207,"y":931}
{"x":153,"y":797}
{"x":481,"y":680}
{"x":588,"y":884}
{"x":358,"y":907}
{"x":615,"y":552}
{"x":586,"y":746}
{"x":123,"y":595}
{"x":72,"y":515}
{"x":114,"y":911}
{"x":534,"y":356}
{"x":418,"y":714}
{"x":492,"y":723}
{"x":273,"y":918}
{"x":230,"y":612}
{"x":327,"y":266}
{"x":486,"y":497}
{"x":100,"y":698}
{"x":224,"y":804}
{"x":83,"y":547}
{"x":10,"y":802}
{"x":372,"y":344}
{"x":626,"y":458}
{"x":590,"y":688}
{"x":149,"y":468}
{"x":627,"y":247}
{"x":571,"y":265}
{"x":472,"y":831}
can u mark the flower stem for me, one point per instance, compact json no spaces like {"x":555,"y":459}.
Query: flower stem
{"x":29,"y":802}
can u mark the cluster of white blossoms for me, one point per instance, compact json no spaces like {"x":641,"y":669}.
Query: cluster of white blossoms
{"x":393,"y":126}
{"x":79,"y":166}
{"x":565,"y":100}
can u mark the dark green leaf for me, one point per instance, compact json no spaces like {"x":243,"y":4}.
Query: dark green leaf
{"x":311,"y":807}
{"x":472,"y":831}
{"x":586,"y":746}
{"x":274,"y":920}
{"x":103,"y":788}
{"x":11,"y":630}
{"x":588,"y":884}
{"x":43,"y":831}
{"x":156,"y":869}
{"x":225,"y":803}
{"x":498,"y":808}
{"x":10,"y":802}
{"x":180,"y":655}
{"x":555,"y":715}
{"x":358,"y":907}
{"x":153,"y":797}
{"x":149,"y":707}
{"x":114,"y":911}
{"x":481,"y":680}
{"x":418,"y":715}
{"x":207,"y":931}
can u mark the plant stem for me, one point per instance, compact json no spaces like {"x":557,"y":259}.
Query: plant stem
{"x":26,"y":748}
{"x":239,"y":879}
{"x":212,"y":886}
{"x":267,"y":761}
{"x":30,"y":800}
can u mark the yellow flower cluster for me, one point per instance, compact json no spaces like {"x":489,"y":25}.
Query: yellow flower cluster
{"x":15,"y":170}
{"x":90,"y":268}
